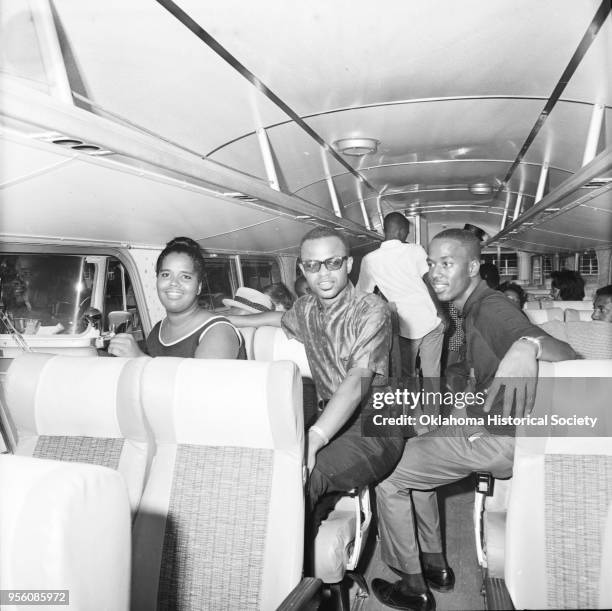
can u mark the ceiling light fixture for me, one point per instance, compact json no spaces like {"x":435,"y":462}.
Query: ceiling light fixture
{"x":481,"y":188}
{"x":357,"y":146}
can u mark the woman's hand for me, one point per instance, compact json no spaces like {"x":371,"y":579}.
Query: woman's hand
{"x":124,"y":344}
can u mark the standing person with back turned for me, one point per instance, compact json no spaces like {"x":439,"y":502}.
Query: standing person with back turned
{"x":503,"y":347}
{"x":347,"y":337}
{"x":400,"y":272}
{"x":187,"y":330}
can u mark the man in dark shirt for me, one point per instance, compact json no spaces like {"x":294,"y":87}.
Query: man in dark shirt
{"x":502,"y":348}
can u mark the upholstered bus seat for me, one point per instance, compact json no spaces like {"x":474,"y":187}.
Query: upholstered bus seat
{"x":65,"y":527}
{"x":532,"y":305}
{"x":248,"y":334}
{"x":537,"y":317}
{"x":558,"y":538}
{"x":590,"y":339}
{"x":341,"y":532}
{"x":271,"y":344}
{"x":81,"y":409}
{"x":342,"y":536}
{"x":572,"y":315}
{"x":586,"y":304}
{"x":221,"y":522}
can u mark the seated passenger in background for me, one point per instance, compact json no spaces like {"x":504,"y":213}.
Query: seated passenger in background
{"x":602,"y":304}
{"x":490,"y":274}
{"x":347,"y":337}
{"x":281,"y":296}
{"x":514,"y":293}
{"x":248,"y":301}
{"x":501,"y":343}
{"x":301,"y":287}
{"x":567,"y":285}
{"x":188,"y":330}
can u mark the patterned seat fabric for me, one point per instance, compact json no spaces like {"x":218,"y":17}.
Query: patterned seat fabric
{"x":221,"y":522}
{"x":559,"y":522}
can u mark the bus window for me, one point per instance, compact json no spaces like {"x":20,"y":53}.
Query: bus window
{"x":507,"y":265}
{"x":50,"y":291}
{"x":219,"y":282}
{"x":259,"y":272}
{"x":588,"y":265}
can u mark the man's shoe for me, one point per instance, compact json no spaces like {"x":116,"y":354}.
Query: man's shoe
{"x":395,"y":595}
{"x":441,"y":580}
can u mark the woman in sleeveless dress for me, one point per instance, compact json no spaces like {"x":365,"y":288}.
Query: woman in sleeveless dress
{"x":187,"y":330}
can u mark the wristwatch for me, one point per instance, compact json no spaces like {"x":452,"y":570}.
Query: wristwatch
{"x":536,"y":341}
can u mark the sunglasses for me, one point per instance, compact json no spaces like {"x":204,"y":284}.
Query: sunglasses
{"x":332,"y":264}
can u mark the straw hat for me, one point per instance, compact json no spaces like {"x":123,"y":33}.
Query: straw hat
{"x":250,"y":300}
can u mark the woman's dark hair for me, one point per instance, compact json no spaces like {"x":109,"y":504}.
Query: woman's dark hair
{"x":490,"y":274}
{"x":185,"y":246}
{"x":280,"y":295}
{"x":569,"y":283}
{"x":515,"y":288}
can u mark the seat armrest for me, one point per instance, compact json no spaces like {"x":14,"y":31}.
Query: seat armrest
{"x":306,"y":596}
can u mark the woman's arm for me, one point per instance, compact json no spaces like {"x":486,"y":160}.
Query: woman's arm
{"x":124,"y":344}
{"x":218,"y":342}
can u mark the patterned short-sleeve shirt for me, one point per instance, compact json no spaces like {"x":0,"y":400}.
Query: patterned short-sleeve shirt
{"x":353,"y":330}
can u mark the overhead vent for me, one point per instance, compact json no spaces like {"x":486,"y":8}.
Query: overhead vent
{"x":243,"y":197}
{"x":480,"y":188}
{"x":597,"y":182}
{"x":76,"y":144}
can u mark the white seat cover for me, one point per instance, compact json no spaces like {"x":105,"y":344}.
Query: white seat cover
{"x":65,"y":527}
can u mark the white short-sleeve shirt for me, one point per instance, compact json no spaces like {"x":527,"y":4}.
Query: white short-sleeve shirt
{"x":397,"y":269}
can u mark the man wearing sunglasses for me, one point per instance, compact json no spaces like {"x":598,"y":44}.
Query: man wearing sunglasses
{"x":347,"y":337}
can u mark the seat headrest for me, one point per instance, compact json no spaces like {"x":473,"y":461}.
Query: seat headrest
{"x":271,"y":344}
{"x":537,"y":317}
{"x":223,"y":402}
{"x":76,"y":396}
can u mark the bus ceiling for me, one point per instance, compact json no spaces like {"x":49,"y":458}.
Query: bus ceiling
{"x":243,"y":124}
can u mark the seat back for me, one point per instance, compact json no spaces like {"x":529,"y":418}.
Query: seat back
{"x":81,"y":409}
{"x":537,"y":317}
{"x":221,"y":522}
{"x":574,"y":305}
{"x":248,"y":333}
{"x":559,"y":537}
{"x":532,"y":305}
{"x":590,"y":339}
{"x":572,"y":315}
{"x":67,"y":527}
{"x":342,"y":536}
{"x":271,"y":344}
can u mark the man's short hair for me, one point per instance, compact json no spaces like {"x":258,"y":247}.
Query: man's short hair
{"x":326,"y":232}
{"x":396,"y":221}
{"x":466,"y":238}
{"x":604,"y":291}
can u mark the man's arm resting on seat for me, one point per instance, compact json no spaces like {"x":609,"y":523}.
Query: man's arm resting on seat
{"x":521,"y":363}
{"x":339,"y":409}
{"x":268,"y":319}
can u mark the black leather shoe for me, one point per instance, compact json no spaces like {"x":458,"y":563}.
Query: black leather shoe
{"x":442,"y":580}
{"x":394,"y":595}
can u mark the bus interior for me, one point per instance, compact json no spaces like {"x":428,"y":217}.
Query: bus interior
{"x":244,"y":125}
